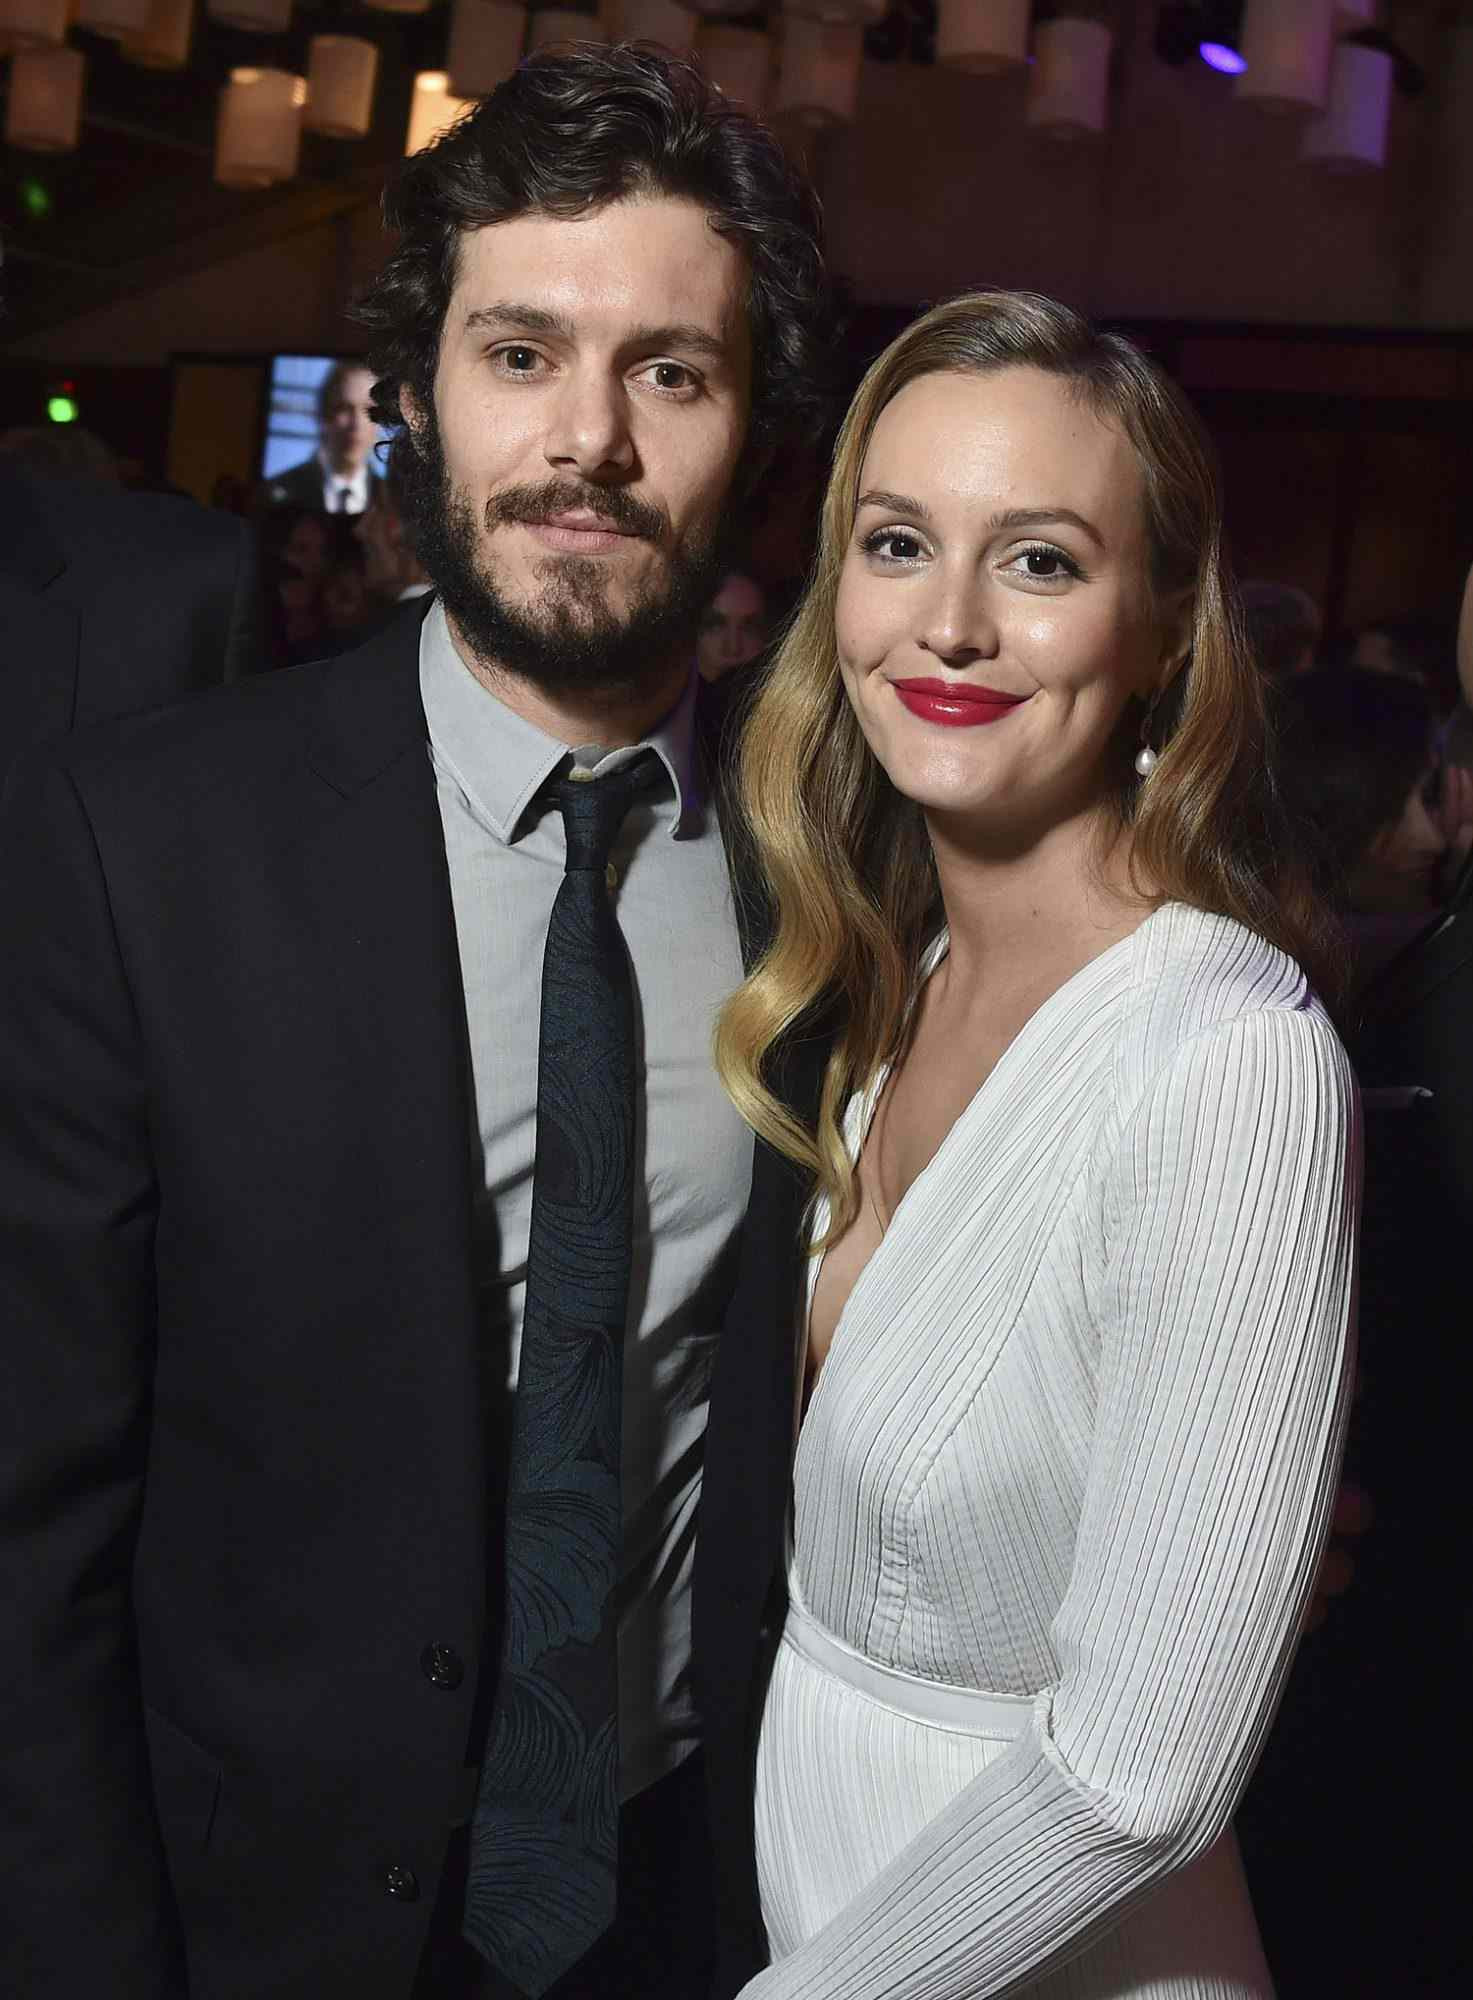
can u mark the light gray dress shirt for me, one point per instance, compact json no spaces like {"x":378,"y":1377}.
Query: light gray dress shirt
{"x":673,"y":897}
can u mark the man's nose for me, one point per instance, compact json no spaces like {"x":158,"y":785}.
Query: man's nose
{"x":588,"y":430}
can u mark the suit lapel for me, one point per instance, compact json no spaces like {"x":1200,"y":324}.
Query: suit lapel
{"x":375,"y":871}
{"x":717,"y":736}
{"x":41,"y":635}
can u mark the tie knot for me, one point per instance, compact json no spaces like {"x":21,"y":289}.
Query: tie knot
{"x":594,"y":809}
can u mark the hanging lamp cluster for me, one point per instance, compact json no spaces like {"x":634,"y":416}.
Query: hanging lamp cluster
{"x":1322,"y":61}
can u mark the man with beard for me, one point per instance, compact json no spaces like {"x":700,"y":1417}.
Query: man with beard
{"x":359,"y":1143}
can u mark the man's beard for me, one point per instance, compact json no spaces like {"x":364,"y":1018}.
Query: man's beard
{"x":569,"y":640}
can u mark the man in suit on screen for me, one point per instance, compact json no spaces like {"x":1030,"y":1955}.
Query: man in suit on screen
{"x":339,"y":477}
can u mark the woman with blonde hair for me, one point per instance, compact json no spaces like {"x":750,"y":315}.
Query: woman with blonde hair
{"x":1071,"y":1373}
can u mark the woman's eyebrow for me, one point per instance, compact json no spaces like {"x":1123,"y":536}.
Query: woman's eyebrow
{"x":1041,"y":517}
{"x":893,"y":503}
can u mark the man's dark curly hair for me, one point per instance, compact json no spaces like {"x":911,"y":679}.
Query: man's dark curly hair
{"x":570,"y":131}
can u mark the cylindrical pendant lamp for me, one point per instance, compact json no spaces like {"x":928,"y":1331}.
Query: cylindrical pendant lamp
{"x":666,"y":22}
{"x":984,"y":36}
{"x":43,"y":22}
{"x":738,"y":61}
{"x":43,"y":113}
{"x":433,"y":109}
{"x":486,"y":40}
{"x":258,"y":131}
{"x":257,"y":17}
{"x":818,"y":73}
{"x":562,"y":24}
{"x":164,"y":43}
{"x":1286,"y":45}
{"x":117,"y":18}
{"x":1069,"y":83}
{"x":399,"y":6}
{"x":1351,"y":137}
{"x":341,"y":73}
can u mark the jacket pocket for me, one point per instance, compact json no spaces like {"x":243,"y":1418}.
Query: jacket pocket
{"x":186,"y":1783}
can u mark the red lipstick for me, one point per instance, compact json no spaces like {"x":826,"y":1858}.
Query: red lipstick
{"x":957,"y":704}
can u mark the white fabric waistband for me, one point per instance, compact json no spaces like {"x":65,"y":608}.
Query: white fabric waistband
{"x":941,"y":1704}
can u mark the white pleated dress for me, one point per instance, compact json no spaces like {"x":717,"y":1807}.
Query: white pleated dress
{"x":1058,"y":1501}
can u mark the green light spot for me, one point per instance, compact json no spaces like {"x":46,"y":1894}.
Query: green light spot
{"x":62,"y":410}
{"x":35,"y":200}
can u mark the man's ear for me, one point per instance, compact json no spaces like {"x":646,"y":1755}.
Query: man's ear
{"x":412,"y":410}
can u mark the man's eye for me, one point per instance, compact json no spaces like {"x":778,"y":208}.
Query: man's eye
{"x":518,"y":360}
{"x":671,"y":375}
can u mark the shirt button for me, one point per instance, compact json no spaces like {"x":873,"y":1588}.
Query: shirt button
{"x":442,"y":1666}
{"x":402,"y":1884}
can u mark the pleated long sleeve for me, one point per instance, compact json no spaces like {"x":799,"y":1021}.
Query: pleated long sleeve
{"x":1120,"y":1346}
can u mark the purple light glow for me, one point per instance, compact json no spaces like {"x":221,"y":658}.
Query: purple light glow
{"x":1217,"y":55}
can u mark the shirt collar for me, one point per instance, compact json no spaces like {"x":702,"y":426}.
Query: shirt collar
{"x":331,"y":481}
{"x":501,"y":761}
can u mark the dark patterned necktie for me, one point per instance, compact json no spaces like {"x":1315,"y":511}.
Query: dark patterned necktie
{"x":545,"y":1833}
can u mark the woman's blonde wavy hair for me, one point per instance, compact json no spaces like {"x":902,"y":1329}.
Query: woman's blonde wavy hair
{"x":846,"y":859}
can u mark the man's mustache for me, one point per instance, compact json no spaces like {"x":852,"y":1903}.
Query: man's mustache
{"x":565,"y":496}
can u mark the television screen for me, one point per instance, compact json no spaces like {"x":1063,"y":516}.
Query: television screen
{"x":298,"y":424}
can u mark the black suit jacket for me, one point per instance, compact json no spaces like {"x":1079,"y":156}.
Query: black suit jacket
{"x":1410,"y":1438}
{"x":242,"y":1481}
{"x":114,"y":602}
{"x":301,"y":486}
{"x":739,"y":1591}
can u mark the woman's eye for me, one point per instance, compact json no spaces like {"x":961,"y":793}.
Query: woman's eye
{"x":1047,"y":565}
{"x":894,"y":545}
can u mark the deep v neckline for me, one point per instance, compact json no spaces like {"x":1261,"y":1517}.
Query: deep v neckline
{"x":964,"y":1119}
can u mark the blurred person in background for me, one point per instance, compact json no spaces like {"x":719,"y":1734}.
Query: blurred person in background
{"x":113,"y":602}
{"x":230,"y":494}
{"x":1379,"y":817}
{"x":391,"y":565}
{"x":297,"y":550}
{"x":61,"y":451}
{"x":308,"y":542}
{"x":730,"y":647}
{"x":347,"y":604}
{"x":734,"y":626}
{"x":1283,"y":626}
{"x":1410,"y":1617}
{"x":339,"y":477}
{"x":1411,"y":649}
{"x":1457,"y":735}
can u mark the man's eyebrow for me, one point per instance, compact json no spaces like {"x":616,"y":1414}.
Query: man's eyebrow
{"x":683,"y":334}
{"x":892,"y":503}
{"x":514,"y":318}
{"x":508,"y":316}
{"x":1042,"y":517}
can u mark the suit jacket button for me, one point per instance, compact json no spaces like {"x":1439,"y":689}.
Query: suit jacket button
{"x":402,"y":1884}
{"x":442,"y":1666}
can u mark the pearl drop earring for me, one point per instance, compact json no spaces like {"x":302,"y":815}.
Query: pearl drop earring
{"x":1145,"y":760}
